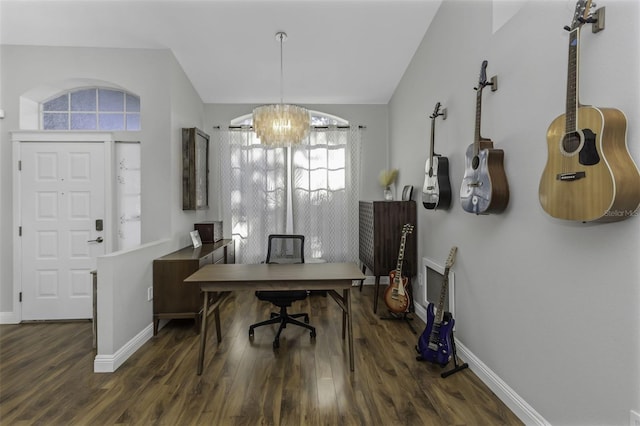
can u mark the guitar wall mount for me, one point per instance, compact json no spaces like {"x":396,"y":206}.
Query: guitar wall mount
{"x":598,"y":24}
{"x":493,"y":83}
{"x":596,"y":19}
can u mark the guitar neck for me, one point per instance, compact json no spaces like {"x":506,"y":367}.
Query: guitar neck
{"x":572,"y":81}
{"x":432,"y":144}
{"x":443,"y":294}
{"x":477,"y":138}
{"x":400,"y":257}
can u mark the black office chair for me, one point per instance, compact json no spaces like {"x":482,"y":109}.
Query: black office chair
{"x":284,"y":248}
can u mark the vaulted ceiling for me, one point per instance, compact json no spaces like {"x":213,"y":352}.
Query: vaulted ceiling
{"x":337,"y":51}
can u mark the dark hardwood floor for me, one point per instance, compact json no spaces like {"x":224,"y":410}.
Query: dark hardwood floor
{"x":46,"y":375}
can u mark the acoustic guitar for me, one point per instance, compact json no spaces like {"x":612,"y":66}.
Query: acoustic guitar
{"x":589,"y":174}
{"x":396,"y":296}
{"x":436,"y":191}
{"x":484,"y":187}
{"x":434,"y":344}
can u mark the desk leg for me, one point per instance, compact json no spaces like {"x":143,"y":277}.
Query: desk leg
{"x":375,"y":294}
{"x":203,"y":332}
{"x":347,"y":297}
{"x":344,"y":319}
{"x":216,"y":313}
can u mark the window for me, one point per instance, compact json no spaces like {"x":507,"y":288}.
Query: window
{"x":318,"y":119}
{"x":311,"y":189}
{"x":91,"y":109}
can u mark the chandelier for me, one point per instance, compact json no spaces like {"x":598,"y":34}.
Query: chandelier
{"x":281,"y":124}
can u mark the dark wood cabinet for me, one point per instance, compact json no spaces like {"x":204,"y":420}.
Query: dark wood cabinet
{"x":381,"y":225}
{"x":172,"y":298}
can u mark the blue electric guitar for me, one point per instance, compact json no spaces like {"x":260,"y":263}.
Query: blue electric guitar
{"x":434,"y":344}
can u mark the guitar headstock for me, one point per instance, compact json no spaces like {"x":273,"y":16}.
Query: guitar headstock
{"x":436,"y":111}
{"x":482,"y":80}
{"x":407,"y":228}
{"x":452,"y":257}
{"x":581,"y":14}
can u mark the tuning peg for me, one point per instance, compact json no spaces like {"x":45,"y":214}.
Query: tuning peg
{"x":567,"y":28}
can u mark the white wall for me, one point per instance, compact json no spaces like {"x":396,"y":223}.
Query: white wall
{"x":168,"y":103}
{"x":551,"y":307}
{"x":124,"y":313}
{"x":187,"y":111}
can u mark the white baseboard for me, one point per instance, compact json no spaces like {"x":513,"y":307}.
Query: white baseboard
{"x":420,"y":311}
{"x":110,"y":363}
{"x":9,"y":318}
{"x":519,"y":406}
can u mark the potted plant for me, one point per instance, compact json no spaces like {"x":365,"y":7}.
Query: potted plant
{"x":386,"y":179}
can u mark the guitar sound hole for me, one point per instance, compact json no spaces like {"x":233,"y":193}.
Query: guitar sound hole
{"x":571,"y":142}
{"x":475,"y":162}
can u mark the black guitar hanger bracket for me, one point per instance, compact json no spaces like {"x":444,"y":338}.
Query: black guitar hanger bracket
{"x":596,"y":19}
{"x":493,"y":82}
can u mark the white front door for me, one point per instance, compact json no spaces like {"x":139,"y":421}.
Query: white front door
{"x":62,"y":203}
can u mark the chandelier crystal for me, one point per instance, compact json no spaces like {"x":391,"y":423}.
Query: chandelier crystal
{"x":281,"y":124}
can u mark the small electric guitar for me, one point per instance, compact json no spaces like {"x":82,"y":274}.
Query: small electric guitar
{"x":434,"y":344}
{"x":436,"y":191}
{"x":589,"y":175}
{"x":396,"y":296}
{"x":484,"y":185}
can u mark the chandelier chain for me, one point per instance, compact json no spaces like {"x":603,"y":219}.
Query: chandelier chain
{"x":282,"y":36}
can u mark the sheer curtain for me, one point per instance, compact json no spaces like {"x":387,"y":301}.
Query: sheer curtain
{"x":310,"y":189}
{"x":326,"y":191}
{"x":253,"y":191}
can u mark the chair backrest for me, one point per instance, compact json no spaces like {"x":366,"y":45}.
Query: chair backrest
{"x":285,"y":248}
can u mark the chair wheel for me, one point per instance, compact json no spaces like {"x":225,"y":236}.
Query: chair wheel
{"x":276,"y":344}
{"x":306,"y":319}
{"x":251,"y":332}
{"x":313,"y":334}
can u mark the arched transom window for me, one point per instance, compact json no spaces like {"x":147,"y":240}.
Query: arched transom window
{"x":318,"y":119}
{"x":91,"y":109}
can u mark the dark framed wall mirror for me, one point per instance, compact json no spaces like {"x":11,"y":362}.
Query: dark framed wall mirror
{"x":195,"y":169}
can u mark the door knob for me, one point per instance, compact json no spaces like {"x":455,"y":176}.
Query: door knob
{"x":97,"y":240}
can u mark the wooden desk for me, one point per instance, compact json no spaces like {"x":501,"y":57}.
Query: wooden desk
{"x":305,"y":276}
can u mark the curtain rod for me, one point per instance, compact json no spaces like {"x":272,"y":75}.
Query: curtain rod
{"x":313,"y":127}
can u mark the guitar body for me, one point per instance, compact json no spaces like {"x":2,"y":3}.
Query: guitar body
{"x":434,"y":345}
{"x":396,"y":299}
{"x":589,"y":174}
{"x":485,"y":188}
{"x":436,"y":191}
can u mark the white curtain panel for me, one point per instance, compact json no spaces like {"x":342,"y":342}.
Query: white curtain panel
{"x":326,"y":191}
{"x":128,"y":193}
{"x":311,"y":189}
{"x":254,"y":191}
